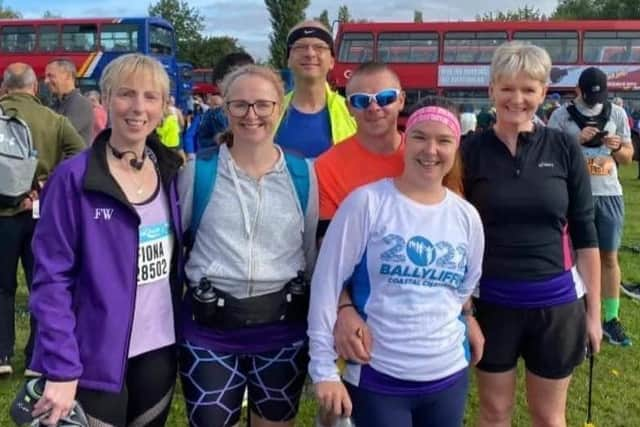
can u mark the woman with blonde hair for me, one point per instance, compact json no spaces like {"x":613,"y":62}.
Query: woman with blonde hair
{"x":251,"y":210}
{"x":107,"y":252}
{"x":531,"y":187}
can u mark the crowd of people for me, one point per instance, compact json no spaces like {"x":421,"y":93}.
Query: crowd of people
{"x":263,"y":236}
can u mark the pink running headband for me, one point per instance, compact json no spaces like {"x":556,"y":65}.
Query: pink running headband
{"x":436,"y":114}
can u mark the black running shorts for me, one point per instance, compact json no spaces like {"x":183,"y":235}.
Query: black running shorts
{"x":551,"y":340}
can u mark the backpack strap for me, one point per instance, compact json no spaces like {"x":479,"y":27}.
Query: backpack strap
{"x":299,"y":171}
{"x":581,"y":120}
{"x":203,"y":182}
{"x":206,"y":170}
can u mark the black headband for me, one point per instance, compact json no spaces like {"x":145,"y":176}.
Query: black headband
{"x":315,"y":32}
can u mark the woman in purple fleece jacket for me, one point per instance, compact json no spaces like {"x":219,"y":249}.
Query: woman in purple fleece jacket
{"x":106,"y":279}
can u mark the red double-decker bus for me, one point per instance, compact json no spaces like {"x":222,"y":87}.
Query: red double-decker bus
{"x":452,"y":58}
{"x":203,"y":83}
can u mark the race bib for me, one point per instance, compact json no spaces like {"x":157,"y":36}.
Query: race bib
{"x":154,"y":253}
{"x":600,"y":166}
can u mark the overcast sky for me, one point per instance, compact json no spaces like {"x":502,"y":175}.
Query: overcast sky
{"x":248,"y":20}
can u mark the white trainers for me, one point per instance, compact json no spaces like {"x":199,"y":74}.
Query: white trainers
{"x":5,"y":366}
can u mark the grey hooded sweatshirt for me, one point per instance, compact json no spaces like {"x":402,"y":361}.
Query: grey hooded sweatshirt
{"x":253,"y":237}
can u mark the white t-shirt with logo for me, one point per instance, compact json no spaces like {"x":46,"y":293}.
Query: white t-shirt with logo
{"x":602,"y":167}
{"x":412,"y":266}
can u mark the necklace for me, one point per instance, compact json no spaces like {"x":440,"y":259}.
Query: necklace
{"x":138,"y":184}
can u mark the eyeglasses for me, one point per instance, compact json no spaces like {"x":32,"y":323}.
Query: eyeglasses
{"x":362,"y":101}
{"x":262,"y":108}
{"x":316,"y":47}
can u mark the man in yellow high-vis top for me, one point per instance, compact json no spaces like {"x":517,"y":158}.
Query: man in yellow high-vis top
{"x":315,"y":117}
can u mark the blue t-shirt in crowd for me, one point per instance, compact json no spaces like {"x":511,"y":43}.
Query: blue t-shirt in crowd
{"x":307,"y":134}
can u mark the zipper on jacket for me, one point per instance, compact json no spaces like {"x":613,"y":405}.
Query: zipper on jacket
{"x":254,"y":230}
{"x":132,"y":308}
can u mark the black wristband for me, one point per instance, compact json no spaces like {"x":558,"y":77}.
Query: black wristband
{"x":468,"y":311}
{"x":341,"y":306}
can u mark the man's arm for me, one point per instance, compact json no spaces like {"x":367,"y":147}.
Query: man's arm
{"x":69,"y":138}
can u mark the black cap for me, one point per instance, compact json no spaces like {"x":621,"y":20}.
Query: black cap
{"x":593,"y":85}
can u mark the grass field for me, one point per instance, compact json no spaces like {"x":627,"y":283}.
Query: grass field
{"x":617,"y":372}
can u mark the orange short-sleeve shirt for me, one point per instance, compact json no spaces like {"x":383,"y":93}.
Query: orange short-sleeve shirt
{"x":349,"y":165}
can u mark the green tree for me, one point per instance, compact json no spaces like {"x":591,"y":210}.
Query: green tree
{"x":324,"y":18}
{"x":8,"y":13}
{"x":206,"y":51}
{"x":597,"y":9}
{"x":343,"y":14}
{"x":50,"y":15}
{"x":186,"y":20}
{"x":526,"y":13}
{"x":284,"y":14}
{"x":417,"y":16}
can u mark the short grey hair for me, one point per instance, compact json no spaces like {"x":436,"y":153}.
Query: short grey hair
{"x":65,"y":64}
{"x":513,"y":57}
{"x":16,"y":79}
{"x":93,"y":94}
{"x":618,"y":101}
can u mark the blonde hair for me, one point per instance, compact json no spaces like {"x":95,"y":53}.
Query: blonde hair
{"x":131,"y":64}
{"x":513,"y":57}
{"x":264,"y":72}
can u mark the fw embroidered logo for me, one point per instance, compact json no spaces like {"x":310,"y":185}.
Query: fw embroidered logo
{"x":103,"y":213}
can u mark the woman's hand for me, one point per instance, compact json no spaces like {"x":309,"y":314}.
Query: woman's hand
{"x":476,"y":340}
{"x":334,"y":398}
{"x":56,"y":401}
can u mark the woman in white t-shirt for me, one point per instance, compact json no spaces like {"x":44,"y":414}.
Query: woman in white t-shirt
{"x":411,"y":250}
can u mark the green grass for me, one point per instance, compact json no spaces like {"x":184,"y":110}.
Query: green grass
{"x":616,"y":399}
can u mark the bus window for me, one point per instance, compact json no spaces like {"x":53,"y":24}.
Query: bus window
{"x":408,"y":47}
{"x":471,"y":47}
{"x":18,"y":38}
{"x":119,"y":38}
{"x":356,"y":47}
{"x":79,"y":38}
{"x":470,"y":97}
{"x":611,"y":47}
{"x":160,"y":40}
{"x":48,"y":38}
{"x":562,"y":46}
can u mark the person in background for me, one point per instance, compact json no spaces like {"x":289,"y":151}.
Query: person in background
{"x":99,"y":113}
{"x":107,"y":252}
{"x":468,"y":121}
{"x":175,"y":111}
{"x":214,"y":100}
{"x":56,"y":139}
{"x":214,"y":121}
{"x":60,"y":78}
{"x":485,"y":119}
{"x":314,"y":116}
{"x":531,"y":187}
{"x":603,"y":131}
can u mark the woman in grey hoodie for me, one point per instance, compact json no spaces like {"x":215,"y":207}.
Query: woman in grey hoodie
{"x":252,"y":211}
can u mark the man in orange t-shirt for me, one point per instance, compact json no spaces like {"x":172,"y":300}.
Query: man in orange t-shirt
{"x":376,"y":151}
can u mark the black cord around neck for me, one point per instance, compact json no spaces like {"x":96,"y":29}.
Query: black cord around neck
{"x":134,"y":163}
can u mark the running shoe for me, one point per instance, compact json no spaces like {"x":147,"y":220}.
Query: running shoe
{"x":5,"y":366}
{"x":632,"y":290}
{"x":614,"y":331}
